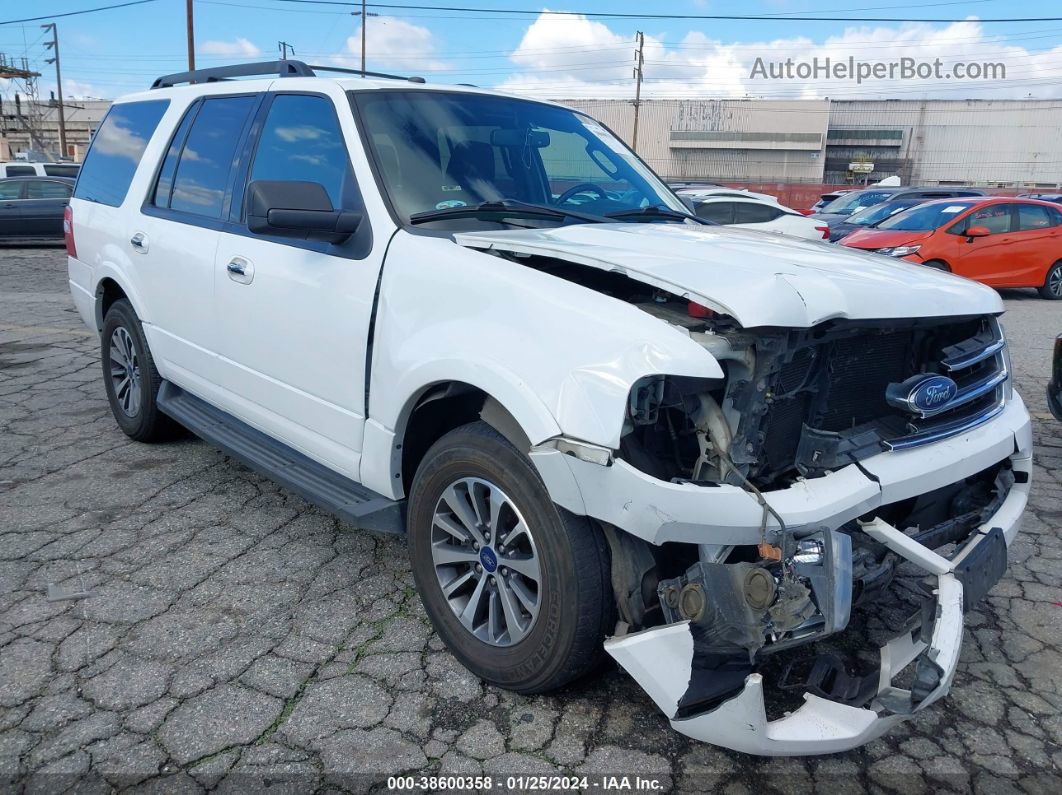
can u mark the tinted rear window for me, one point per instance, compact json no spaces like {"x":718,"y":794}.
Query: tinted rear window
{"x":20,"y":171}
{"x":116,"y":151}
{"x":62,"y":170}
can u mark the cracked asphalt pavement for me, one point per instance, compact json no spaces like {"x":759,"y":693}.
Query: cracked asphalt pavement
{"x":221,"y":633}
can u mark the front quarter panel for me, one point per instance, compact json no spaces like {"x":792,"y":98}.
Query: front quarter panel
{"x":559,"y":357}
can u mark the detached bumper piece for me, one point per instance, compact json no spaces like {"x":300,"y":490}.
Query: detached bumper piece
{"x":840,"y":711}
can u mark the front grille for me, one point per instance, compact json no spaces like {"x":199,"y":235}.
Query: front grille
{"x":828,"y":398}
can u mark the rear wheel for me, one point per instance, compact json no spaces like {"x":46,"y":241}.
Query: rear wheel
{"x":1052,"y":289}
{"x":517,"y":588}
{"x":130,"y":377}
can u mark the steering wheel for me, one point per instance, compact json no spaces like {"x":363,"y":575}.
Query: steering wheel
{"x":582,"y":187}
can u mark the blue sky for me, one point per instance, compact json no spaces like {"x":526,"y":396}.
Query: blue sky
{"x":114,"y":52}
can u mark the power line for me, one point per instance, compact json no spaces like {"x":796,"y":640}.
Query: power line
{"x":75,"y":13}
{"x":622,"y":15}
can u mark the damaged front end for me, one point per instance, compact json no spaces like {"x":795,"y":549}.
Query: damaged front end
{"x":716,"y":632}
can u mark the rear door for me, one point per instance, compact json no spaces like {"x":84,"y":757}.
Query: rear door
{"x":42,"y":207}
{"x":11,"y":207}
{"x":1034,"y":247}
{"x":176,"y":237}
{"x":293,"y":315}
{"x":984,"y":258}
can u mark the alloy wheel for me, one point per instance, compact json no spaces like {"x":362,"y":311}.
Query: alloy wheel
{"x":1054,"y":281}
{"x":485,"y":561}
{"x":125,"y":372}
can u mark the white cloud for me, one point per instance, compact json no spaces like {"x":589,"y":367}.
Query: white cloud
{"x":392,"y":43}
{"x":574,"y":57}
{"x":240,"y":46}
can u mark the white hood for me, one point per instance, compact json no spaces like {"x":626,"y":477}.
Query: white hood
{"x":759,"y":279}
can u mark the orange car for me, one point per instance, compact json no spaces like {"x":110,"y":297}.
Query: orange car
{"x":999,"y":241}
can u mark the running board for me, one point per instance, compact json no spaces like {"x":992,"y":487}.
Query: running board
{"x":339,"y":495}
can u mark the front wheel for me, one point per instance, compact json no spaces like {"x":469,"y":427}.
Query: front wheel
{"x":937,"y":264}
{"x":1052,"y":289}
{"x":517,"y":588}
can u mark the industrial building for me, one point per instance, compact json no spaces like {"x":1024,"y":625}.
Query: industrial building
{"x":30,"y":129}
{"x":994,"y":143}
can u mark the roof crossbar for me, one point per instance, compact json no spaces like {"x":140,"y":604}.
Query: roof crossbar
{"x":283,"y":68}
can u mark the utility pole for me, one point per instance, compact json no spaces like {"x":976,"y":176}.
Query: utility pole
{"x":284,"y":47}
{"x":364,"y":16}
{"x":191,"y":35}
{"x":638,"y":63}
{"x":53,"y":45}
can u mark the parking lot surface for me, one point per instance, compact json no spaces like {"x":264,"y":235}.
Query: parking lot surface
{"x":207,"y":630}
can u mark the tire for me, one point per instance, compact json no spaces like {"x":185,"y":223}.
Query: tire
{"x":1052,"y":287}
{"x":574,"y":608}
{"x":937,"y":264}
{"x":134,"y":401}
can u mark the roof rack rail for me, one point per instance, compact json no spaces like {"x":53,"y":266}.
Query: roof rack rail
{"x":284,"y":68}
{"x":359,"y":73}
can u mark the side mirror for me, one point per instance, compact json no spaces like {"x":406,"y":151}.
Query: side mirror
{"x":978,"y":231}
{"x":299,"y":210}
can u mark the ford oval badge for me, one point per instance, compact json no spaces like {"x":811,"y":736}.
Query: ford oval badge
{"x":924,"y":395}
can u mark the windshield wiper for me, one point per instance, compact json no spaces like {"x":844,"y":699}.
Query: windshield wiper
{"x":504,"y":208}
{"x":656,"y":211}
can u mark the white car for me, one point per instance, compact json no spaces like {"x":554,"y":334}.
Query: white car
{"x":756,"y":211}
{"x":26,"y":168}
{"x":603,"y":425}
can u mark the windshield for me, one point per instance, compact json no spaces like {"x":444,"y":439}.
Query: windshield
{"x":871,"y":215}
{"x":436,"y":151}
{"x":850,"y":202}
{"x":925,"y":217}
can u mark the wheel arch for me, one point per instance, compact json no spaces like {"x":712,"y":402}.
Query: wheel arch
{"x":440,"y":407}
{"x":110,"y":288}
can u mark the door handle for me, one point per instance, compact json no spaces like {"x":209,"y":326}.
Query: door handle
{"x":139,"y":242}
{"x":240,"y":270}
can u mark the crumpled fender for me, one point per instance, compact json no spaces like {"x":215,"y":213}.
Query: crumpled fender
{"x":542,"y":346}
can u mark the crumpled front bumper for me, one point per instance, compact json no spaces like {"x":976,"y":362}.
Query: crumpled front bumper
{"x":661,"y":660}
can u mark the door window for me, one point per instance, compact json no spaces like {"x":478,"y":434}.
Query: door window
{"x":749,"y":213}
{"x":10,"y":191}
{"x":202,"y":176}
{"x":46,"y":189}
{"x":301,"y":141}
{"x":995,"y":218}
{"x":116,"y":150}
{"x":1032,"y":217}
{"x":720,"y":212}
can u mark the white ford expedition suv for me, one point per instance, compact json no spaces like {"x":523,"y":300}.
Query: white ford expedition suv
{"x":602,"y":424}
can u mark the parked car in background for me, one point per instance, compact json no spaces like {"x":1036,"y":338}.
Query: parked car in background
{"x":756,"y":211}
{"x":1054,"y":388}
{"x":678,"y":187}
{"x":1002,"y":242}
{"x":31,"y":208}
{"x":826,"y":198}
{"x":869,"y":216}
{"x":837,"y":211}
{"x":1056,"y":198}
{"x":23,"y":168}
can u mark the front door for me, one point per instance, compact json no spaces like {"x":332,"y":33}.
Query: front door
{"x":982,"y":258}
{"x":293,"y":316}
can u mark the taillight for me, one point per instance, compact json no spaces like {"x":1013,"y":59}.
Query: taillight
{"x":68,"y":231}
{"x":805,"y":212}
{"x":825,"y":231}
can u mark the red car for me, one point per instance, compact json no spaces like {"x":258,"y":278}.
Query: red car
{"x":998,"y":241}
